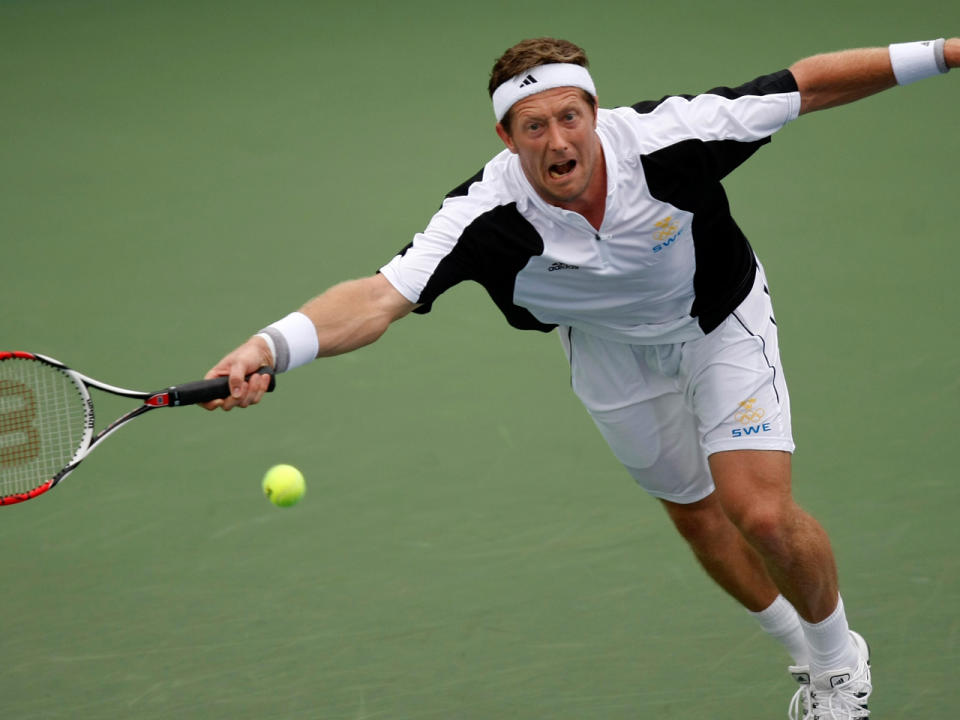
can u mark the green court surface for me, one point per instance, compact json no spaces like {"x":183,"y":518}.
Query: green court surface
{"x":175,"y":175}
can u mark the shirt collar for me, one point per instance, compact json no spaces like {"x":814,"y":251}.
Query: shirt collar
{"x":610,"y":159}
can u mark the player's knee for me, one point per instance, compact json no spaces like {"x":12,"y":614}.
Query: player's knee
{"x":763,"y":524}
{"x":698,"y":523}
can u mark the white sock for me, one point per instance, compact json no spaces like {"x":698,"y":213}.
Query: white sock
{"x":782,"y":622}
{"x":831,"y":646}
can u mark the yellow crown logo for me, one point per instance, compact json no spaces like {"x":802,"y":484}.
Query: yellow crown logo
{"x":667,"y":228}
{"x":748,"y":413}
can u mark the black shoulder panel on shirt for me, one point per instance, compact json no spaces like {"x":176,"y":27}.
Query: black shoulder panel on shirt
{"x":464,"y":187}
{"x":778,"y":82}
{"x":686,"y":176}
{"x":492,"y":250}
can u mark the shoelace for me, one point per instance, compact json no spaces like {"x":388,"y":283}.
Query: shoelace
{"x":800,"y":704}
{"x":844,"y":703}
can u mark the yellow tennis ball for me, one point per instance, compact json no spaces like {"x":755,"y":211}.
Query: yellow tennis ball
{"x":284,"y":485}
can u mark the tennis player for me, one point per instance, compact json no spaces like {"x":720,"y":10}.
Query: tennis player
{"x":612,"y":228}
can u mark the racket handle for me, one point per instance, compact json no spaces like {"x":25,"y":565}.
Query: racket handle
{"x":203,"y":391}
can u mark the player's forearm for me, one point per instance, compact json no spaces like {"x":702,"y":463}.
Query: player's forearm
{"x":353,"y":314}
{"x":837,"y":78}
{"x":951,"y":52}
{"x":842,"y":77}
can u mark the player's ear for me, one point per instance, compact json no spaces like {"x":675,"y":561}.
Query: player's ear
{"x":507,"y":140}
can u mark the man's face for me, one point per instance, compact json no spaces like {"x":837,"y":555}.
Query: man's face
{"x":553,"y":133}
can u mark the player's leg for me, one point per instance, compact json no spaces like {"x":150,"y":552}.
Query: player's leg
{"x":734,"y":383}
{"x":737,"y":567}
{"x":723,"y":552}
{"x":657,"y":441}
{"x":656,"y":437}
{"x":753,"y":488}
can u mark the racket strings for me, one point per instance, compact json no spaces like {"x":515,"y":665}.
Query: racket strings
{"x":43,"y":418}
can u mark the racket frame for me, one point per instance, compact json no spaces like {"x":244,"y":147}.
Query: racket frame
{"x":174,"y":396}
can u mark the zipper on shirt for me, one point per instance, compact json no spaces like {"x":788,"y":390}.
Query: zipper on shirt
{"x":579,"y":222}
{"x":601,"y":246}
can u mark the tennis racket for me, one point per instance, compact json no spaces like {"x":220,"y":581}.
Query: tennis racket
{"x":47,"y":422}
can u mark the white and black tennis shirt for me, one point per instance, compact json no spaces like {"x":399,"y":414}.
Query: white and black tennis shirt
{"x":668,"y":263}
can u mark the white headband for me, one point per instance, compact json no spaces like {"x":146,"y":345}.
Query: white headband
{"x":538,"y":79}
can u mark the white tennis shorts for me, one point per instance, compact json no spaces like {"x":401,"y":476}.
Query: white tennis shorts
{"x":664,"y":409}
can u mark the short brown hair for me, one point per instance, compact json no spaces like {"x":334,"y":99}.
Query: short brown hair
{"x":528,"y":54}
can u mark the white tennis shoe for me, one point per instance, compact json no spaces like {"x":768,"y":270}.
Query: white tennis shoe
{"x":842,"y":694}
{"x":800,"y":703}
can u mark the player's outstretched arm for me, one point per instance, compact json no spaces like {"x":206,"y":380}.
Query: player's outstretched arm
{"x":837,"y":78}
{"x":345,"y":317}
{"x":355,"y":313}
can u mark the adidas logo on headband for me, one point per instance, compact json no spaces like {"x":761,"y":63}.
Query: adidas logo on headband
{"x":548,"y":76}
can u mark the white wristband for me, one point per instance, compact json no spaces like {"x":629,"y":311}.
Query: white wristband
{"x":917,"y":60}
{"x":293,"y":341}
{"x":271,"y":346}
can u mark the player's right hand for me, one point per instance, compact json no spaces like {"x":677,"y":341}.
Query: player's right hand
{"x":246,"y":359}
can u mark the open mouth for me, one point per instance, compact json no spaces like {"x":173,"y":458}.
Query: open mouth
{"x":560,"y":169}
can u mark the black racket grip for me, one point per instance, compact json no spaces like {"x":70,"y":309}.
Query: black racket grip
{"x":203,"y":391}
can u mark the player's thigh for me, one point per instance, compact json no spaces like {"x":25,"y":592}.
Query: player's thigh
{"x":753,"y":486}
